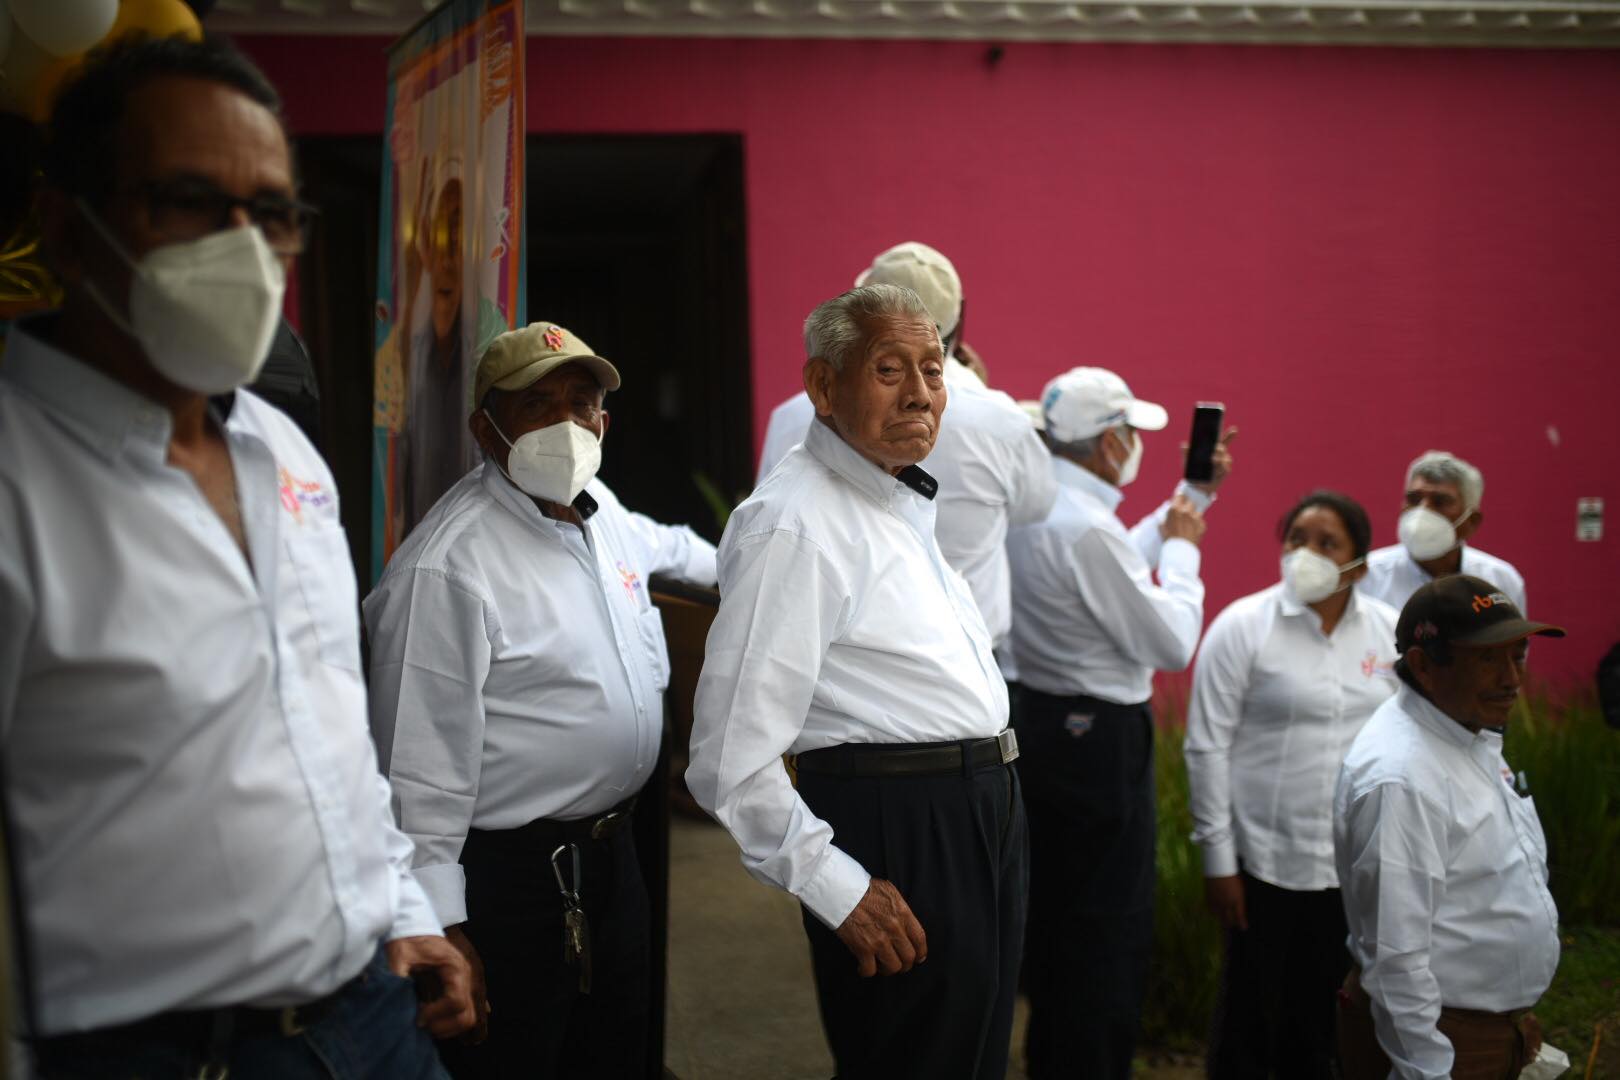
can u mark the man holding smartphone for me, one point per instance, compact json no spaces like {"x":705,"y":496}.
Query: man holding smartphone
{"x":1090,"y":626}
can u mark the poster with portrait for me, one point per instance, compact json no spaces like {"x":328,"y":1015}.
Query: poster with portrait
{"x":450,"y":271}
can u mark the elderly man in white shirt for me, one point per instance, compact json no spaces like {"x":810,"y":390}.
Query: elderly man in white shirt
{"x":845,"y":640}
{"x":213,"y":881}
{"x":1440,"y":855}
{"x":518,"y":675}
{"x":1441,"y":514}
{"x":1090,"y":626}
{"x":991,"y":466}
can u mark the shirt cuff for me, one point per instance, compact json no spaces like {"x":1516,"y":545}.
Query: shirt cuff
{"x":1201,"y":499}
{"x":446,"y":887}
{"x":1220,"y":859}
{"x":415,"y":916}
{"x":836,"y":888}
{"x":1179,"y":556}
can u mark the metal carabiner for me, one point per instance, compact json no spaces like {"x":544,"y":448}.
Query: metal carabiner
{"x":569,"y":894}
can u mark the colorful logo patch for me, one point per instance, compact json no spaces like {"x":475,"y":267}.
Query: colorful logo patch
{"x":631,"y":580}
{"x":298,"y":495}
{"x":554,"y":338}
{"x":1370,"y":665}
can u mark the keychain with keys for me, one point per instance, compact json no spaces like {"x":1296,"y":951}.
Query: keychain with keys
{"x":576,"y":941}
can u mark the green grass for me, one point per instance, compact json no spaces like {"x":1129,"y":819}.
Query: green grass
{"x":1572,"y":763}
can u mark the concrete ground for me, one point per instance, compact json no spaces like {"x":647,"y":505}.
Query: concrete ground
{"x":741,"y":1004}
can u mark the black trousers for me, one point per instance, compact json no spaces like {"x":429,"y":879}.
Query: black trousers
{"x":957,"y":849}
{"x":540,"y":1025}
{"x":1279,"y":986}
{"x":1087,"y":767}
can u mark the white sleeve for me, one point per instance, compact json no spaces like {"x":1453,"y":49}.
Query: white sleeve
{"x":1032,"y":487}
{"x":1145,"y":534}
{"x":673,"y":550}
{"x":430,"y":654}
{"x":1155,"y":625}
{"x":1396,"y":882}
{"x":782,"y":603}
{"x":17,"y":613}
{"x":1220,"y":684}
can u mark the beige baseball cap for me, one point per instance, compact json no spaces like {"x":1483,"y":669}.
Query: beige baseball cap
{"x":925,"y":272}
{"x":521,"y":357}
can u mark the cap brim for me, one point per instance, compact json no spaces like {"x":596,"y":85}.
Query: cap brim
{"x":605,"y":372}
{"x":1507,"y":632}
{"x":1146,"y":416}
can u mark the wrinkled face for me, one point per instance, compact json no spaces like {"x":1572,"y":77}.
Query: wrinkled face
{"x":1322,"y":530}
{"x":444,"y":259}
{"x":887,"y":401}
{"x":1478,"y":688}
{"x":1443,"y":499}
{"x":569,"y":393}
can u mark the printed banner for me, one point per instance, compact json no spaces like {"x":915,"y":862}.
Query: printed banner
{"x":450,"y":273}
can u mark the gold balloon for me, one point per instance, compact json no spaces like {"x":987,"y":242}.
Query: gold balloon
{"x":25,"y":284}
{"x":159,"y":18}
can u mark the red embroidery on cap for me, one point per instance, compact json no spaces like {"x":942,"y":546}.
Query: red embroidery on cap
{"x":554,"y":337}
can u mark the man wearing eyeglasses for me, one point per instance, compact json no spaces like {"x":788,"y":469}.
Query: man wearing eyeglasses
{"x":212,"y":877}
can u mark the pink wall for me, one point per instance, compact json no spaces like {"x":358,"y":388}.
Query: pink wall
{"x":1363,"y":252}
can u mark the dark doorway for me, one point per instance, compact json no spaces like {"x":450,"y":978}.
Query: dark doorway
{"x":635,"y":242}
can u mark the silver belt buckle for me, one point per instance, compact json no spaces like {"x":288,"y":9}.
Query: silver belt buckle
{"x":1007,"y":741}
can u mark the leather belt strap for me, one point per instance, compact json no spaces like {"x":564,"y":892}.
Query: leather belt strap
{"x":910,"y":759}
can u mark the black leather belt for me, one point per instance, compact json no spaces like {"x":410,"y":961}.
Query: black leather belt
{"x":910,"y":759}
{"x":600,"y":827}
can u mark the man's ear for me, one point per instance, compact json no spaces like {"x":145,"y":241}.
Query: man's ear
{"x":62,"y":239}
{"x":1422,"y":668}
{"x":819,"y":382}
{"x":1470,"y":524}
{"x":605,"y":418}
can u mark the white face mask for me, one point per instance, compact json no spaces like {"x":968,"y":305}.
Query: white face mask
{"x":1427,"y":534}
{"x":552,"y":463}
{"x":1310,"y":576}
{"x":205,"y":310}
{"x":1133,"y":461}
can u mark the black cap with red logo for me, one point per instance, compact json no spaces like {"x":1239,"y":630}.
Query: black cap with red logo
{"x":1464,"y":611}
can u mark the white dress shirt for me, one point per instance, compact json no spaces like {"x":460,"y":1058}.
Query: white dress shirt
{"x":198,"y":816}
{"x":1087,"y":616}
{"x":1444,"y":872}
{"x":839,"y":622}
{"x":1275,"y":703}
{"x":993,"y":472}
{"x":1393,"y":576}
{"x":518,"y":666}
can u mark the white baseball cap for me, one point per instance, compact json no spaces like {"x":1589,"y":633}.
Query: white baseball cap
{"x":1087,"y":401}
{"x":925,"y":272}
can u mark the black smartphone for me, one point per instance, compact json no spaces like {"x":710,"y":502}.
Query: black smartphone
{"x":1206,"y":435}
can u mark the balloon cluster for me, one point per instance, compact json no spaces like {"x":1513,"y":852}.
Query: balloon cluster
{"x":43,"y":41}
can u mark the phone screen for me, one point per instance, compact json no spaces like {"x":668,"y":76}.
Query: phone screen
{"x":1206,"y":433}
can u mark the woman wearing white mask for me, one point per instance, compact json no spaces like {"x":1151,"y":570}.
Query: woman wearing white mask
{"x":1285,"y":679}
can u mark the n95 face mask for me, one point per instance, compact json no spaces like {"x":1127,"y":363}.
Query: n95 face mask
{"x":1310,"y":576}
{"x":1133,"y":461}
{"x":1427,"y":534}
{"x":204,"y":311}
{"x":552,"y":463}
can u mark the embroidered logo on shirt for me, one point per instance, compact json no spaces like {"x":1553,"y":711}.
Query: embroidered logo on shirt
{"x":1077,"y":724}
{"x":1371,"y":666}
{"x":296,"y":494}
{"x":632,"y":580}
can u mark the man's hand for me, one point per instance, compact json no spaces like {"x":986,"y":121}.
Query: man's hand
{"x":970,"y":358}
{"x":456,"y":936}
{"x":1182,"y":521}
{"x":1224,"y":895}
{"x":451,"y":1012}
{"x":1221,"y":459}
{"x":883,"y":933}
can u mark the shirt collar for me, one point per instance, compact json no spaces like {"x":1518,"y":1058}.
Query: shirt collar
{"x":1073,"y":476}
{"x":824,"y":444}
{"x":99,"y":410}
{"x":1423,"y":710}
{"x":508,"y":495}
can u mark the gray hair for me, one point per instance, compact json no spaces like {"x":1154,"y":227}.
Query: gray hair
{"x":1440,"y":467}
{"x":840,"y":326}
{"x":1084,"y":449}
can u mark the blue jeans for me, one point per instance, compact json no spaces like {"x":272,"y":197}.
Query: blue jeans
{"x":369,"y":1033}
